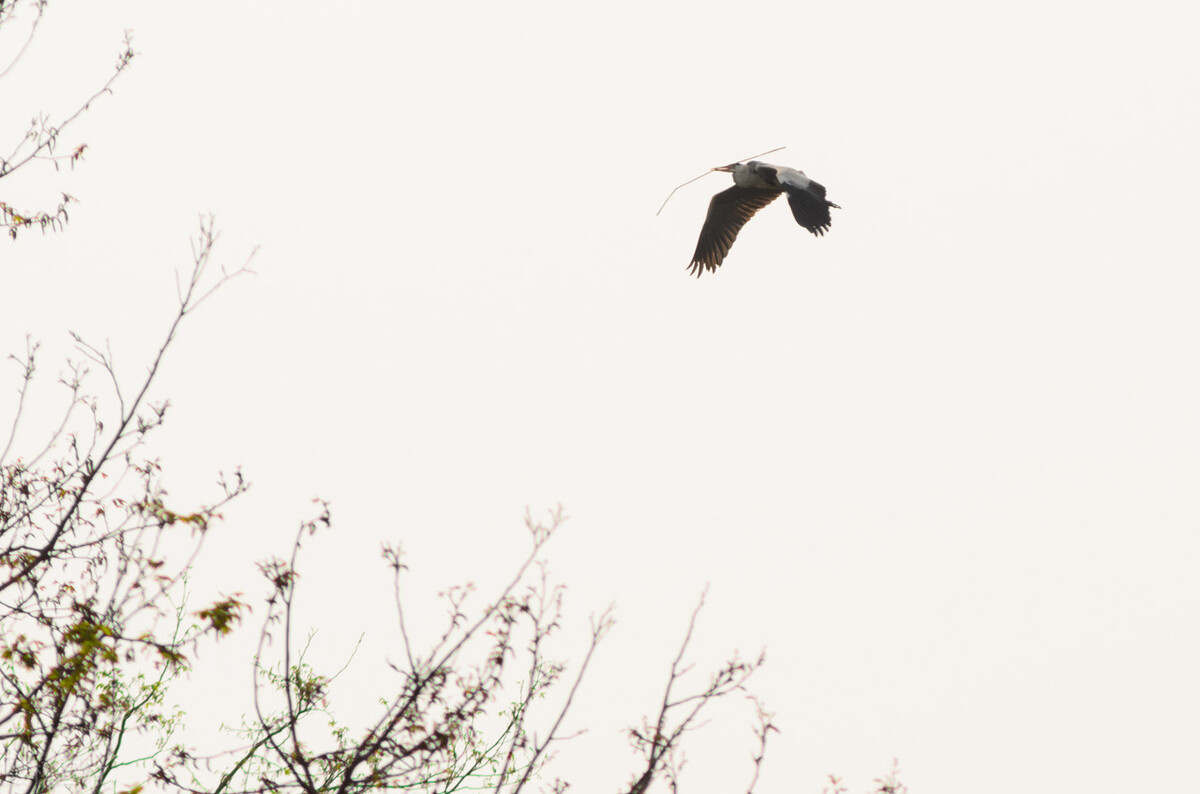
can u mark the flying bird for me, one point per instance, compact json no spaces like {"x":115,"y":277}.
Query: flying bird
{"x":755,"y":185}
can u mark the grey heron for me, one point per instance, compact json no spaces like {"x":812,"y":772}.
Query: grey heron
{"x":755,"y":185}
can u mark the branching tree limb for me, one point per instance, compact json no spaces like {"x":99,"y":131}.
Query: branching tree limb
{"x":42,"y":140}
{"x":658,"y":741}
{"x":86,"y":585}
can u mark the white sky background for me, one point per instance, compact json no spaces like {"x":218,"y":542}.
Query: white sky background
{"x":941,"y":463}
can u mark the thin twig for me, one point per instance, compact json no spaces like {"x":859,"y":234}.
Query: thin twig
{"x":709,"y":171}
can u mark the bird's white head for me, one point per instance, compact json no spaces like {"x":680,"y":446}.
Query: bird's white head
{"x":748,"y":174}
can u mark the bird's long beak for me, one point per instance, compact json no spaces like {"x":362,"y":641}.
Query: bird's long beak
{"x":726,"y":167}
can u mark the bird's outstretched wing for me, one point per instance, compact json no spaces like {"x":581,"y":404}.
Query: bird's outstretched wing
{"x":809,"y":206}
{"x":727,"y":214}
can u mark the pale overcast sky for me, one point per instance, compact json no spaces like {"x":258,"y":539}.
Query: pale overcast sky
{"x":941,"y":463}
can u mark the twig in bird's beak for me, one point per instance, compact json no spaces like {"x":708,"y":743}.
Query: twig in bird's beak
{"x":725,"y":168}
{"x":690,"y":181}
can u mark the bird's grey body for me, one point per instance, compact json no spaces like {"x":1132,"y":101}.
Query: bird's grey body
{"x":755,"y":185}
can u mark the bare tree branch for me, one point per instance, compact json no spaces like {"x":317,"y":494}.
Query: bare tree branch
{"x":658,"y":741}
